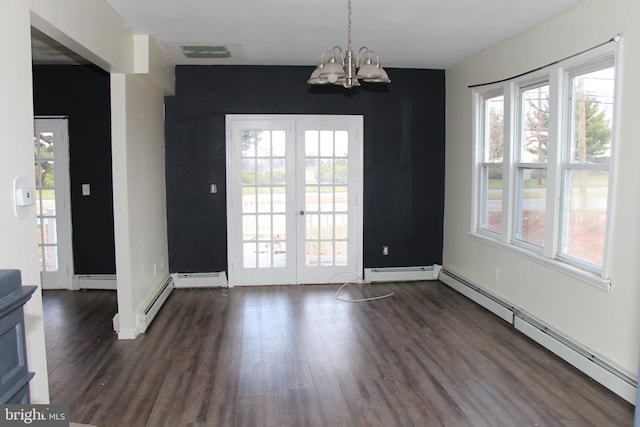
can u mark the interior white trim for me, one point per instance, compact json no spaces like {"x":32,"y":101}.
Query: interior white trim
{"x":124,"y":334}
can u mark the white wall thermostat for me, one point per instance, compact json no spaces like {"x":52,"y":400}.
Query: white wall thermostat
{"x":25,"y":196}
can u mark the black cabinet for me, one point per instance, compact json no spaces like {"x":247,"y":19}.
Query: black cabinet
{"x":14,"y":374}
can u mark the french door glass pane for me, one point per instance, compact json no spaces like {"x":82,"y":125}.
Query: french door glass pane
{"x":585,"y":215}
{"x":46,"y":203}
{"x":326,"y":208}
{"x":264,"y":222}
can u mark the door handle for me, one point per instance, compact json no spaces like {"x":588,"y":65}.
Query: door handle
{"x":301,"y":212}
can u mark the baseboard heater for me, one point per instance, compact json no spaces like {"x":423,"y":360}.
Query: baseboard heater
{"x":401,"y":274}
{"x":600,"y":370}
{"x":200,"y":280}
{"x":146,"y":317}
{"x":94,"y":281}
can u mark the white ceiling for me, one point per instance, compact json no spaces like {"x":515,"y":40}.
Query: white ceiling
{"x":404,"y":33}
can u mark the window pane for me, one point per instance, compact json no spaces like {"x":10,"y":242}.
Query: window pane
{"x":264,"y":144}
{"x":311,"y":143}
{"x":585,"y":215}
{"x":492,"y":215}
{"x":532,"y":196}
{"x":592,"y":115}
{"x":342,"y":143}
{"x":278,"y":171}
{"x":278,"y":143}
{"x":534,"y":124}
{"x":494,"y":132}
{"x":326,"y":143}
{"x":249,"y":140}
{"x":490,"y":203}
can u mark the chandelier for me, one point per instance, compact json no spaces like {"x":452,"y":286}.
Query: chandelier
{"x":345,"y":68}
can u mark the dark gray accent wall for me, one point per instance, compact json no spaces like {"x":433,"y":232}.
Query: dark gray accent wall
{"x":83,"y":94}
{"x":404,"y":149}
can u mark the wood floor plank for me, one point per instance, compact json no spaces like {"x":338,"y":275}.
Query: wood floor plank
{"x":295,"y":356}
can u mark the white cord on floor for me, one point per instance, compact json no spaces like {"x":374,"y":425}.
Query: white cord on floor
{"x":355,"y":280}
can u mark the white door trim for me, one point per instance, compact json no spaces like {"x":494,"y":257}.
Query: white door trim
{"x":61,"y":279}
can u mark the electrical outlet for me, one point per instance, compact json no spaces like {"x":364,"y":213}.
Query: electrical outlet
{"x":385,"y":250}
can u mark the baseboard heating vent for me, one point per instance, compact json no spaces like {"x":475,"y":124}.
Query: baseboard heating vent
{"x":146,"y":317}
{"x":401,"y":274}
{"x":94,"y":281}
{"x":200,"y":280}
{"x":578,"y":356}
{"x":495,"y":305}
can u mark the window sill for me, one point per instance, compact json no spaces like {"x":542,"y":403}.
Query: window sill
{"x":574,"y":272}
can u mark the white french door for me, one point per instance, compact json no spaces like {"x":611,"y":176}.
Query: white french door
{"x":53,"y":206}
{"x":294,"y":199}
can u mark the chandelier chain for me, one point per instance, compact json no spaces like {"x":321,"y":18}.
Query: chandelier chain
{"x":349,"y":25}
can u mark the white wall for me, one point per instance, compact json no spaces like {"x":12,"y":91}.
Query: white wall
{"x":19,"y":246}
{"x":607,"y":323}
{"x":93,"y":30}
{"x":140,"y":204}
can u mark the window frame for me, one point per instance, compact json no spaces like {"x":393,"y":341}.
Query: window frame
{"x":484,"y":165}
{"x":559,"y":77}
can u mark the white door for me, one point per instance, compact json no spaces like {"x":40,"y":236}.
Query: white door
{"x":294,"y":192}
{"x":53,"y":202}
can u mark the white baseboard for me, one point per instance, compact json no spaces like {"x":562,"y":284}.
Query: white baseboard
{"x":95,"y":281}
{"x":401,"y":274}
{"x":200,"y":280}
{"x":592,"y":365}
{"x":125,"y":334}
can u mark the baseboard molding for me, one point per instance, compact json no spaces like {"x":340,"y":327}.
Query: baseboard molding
{"x":200,"y":280}
{"x":95,"y":281}
{"x":401,"y":274}
{"x":124,"y":334}
{"x":581,"y":358}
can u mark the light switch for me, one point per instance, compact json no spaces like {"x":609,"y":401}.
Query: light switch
{"x":213,"y":188}
{"x":86,"y":189}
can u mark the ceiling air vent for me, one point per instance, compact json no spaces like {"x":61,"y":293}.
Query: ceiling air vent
{"x":206,"y":52}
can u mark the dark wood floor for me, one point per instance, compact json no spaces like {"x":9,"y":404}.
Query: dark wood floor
{"x":295,"y":356}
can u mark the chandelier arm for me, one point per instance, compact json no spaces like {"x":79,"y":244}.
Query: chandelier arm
{"x":337,"y":51}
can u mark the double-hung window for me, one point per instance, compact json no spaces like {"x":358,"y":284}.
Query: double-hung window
{"x":544,"y":147}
